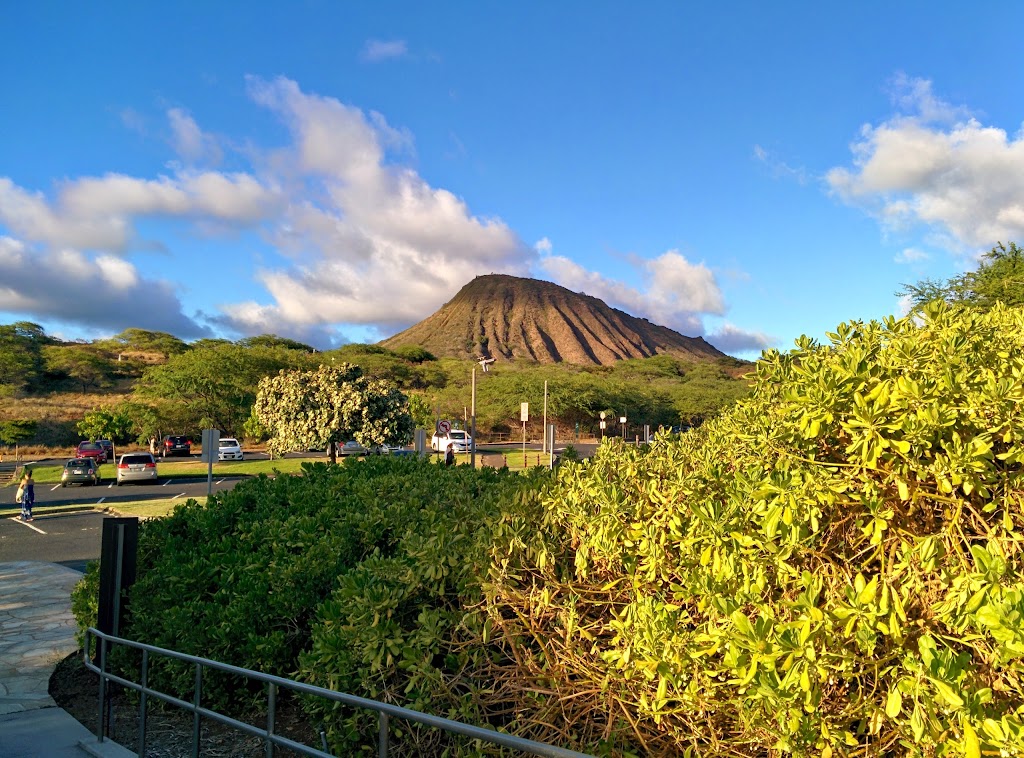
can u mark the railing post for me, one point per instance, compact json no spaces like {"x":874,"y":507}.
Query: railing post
{"x":103,"y":687}
{"x":195,"y":717}
{"x":382,"y":735}
{"x":142,"y":704}
{"x":271,"y":715}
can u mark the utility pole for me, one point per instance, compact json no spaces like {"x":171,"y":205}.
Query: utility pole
{"x":544,"y":446}
{"x":472,"y":426}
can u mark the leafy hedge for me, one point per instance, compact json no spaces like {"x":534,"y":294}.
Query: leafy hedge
{"x":833,"y":568}
{"x":351,"y":576}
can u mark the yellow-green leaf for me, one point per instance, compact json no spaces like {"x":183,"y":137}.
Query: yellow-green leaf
{"x":894,"y":703}
{"x":972,"y":747}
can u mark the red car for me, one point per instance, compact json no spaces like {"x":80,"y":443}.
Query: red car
{"x":92,"y":450}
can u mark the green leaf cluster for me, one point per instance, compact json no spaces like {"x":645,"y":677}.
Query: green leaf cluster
{"x":833,"y":567}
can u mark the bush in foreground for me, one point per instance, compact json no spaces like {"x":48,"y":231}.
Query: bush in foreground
{"x":833,"y":568}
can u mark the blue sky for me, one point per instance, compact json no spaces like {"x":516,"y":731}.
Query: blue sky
{"x":335,"y":172}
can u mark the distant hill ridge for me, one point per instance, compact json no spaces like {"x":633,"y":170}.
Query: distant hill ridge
{"x":511,"y":317}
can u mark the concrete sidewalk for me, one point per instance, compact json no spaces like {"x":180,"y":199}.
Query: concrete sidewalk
{"x":37,"y":630}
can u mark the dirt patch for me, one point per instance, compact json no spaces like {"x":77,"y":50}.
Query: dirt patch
{"x":169,"y":730}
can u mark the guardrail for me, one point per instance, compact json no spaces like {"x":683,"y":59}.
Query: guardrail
{"x":385,"y":711}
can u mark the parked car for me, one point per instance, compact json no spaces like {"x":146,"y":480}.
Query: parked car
{"x":108,"y":448}
{"x":351,"y":448}
{"x":229,"y":450}
{"x":136,"y":467}
{"x":80,"y":471}
{"x":92,"y":450}
{"x":460,"y":438}
{"x":174,"y":444}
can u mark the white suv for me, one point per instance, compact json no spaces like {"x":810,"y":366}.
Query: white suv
{"x":459,"y":438}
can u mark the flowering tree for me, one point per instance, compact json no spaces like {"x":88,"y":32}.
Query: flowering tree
{"x":302,"y":410}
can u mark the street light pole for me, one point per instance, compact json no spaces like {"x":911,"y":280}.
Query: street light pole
{"x":544,"y":446}
{"x":472,"y":426}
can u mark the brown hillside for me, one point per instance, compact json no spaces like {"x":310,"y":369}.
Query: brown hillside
{"x":509,"y":317}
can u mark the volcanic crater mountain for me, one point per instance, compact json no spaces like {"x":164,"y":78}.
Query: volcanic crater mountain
{"x":510,"y":317}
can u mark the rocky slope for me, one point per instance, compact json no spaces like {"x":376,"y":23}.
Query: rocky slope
{"x":508,"y":317}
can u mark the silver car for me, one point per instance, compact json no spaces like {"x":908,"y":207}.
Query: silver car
{"x":351,"y":448}
{"x":136,"y":467}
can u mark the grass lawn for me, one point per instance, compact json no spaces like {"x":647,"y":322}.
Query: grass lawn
{"x":50,"y":473}
{"x":146,"y":508}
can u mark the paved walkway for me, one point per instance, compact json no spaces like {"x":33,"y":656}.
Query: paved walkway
{"x":37,"y":630}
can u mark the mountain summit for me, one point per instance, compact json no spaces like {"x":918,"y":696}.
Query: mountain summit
{"x":508,"y":317}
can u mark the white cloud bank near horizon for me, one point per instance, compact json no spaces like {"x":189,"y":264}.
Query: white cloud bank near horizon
{"x":935,"y":165}
{"x":347,"y":220}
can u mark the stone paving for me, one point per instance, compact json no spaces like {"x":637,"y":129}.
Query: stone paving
{"x":37,"y":630}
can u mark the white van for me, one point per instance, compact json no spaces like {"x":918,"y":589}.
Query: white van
{"x":459,"y":438}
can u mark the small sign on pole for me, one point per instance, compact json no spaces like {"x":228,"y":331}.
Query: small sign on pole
{"x":443,"y":426}
{"x":524,"y":412}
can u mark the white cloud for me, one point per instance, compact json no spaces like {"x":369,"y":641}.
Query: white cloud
{"x":731,"y":339}
{"x":543,"y":245}
{"x":380,"y":246}
{"x":104,"y":292}
{"x":98,"y":213}
{"x":189,"y":141}
{"x":911,"y":255}
{"x":676,"y":291}
{"x":938,"y":167}
{"x":376,"y":50}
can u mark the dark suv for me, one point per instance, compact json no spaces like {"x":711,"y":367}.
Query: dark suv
{"x":174,"y":444}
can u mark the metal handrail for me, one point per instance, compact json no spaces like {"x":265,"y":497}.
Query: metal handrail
{"x":384,"y":710}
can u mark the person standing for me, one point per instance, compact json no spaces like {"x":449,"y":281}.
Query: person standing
{"x":28,"y":495}
{"x":152,"y":445}
{"x":449,"y":455}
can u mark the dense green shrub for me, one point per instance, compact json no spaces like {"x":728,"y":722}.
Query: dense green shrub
{"x":832,"y":568}
{"x":85,"y":601}
{"x":396,"y":627}
{"x":363,"y":569}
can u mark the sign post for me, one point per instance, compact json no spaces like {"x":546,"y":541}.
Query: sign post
{"x":443,"y":427}
{"x":211,"y":442}
{"x":602,"y":424}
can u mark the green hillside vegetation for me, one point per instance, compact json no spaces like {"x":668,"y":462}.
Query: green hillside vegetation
{"x":142,"y":383}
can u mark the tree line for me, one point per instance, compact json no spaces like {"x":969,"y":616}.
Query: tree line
{"x":169,"y":386}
